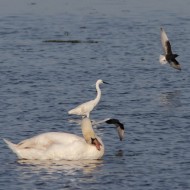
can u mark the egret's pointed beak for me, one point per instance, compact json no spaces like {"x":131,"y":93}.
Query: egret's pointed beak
{"x":105,"y":82}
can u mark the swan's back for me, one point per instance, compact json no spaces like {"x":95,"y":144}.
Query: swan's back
{"x":47,"y":139}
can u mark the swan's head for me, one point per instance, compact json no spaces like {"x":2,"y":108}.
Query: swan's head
{"x":88,"y":133}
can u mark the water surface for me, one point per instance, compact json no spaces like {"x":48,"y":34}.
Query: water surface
{"x":41,"y":81}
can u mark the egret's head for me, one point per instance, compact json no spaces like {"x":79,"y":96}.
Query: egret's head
{"x":100,"y":81}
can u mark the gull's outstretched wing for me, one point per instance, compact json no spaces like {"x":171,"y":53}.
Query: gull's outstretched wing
{"x":165,"y":42}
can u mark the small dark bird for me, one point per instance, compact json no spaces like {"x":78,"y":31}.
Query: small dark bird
{"x":119,"y":126}
{"x":168,"y":56}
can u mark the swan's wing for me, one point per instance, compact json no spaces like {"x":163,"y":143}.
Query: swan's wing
{"x":40,"y":142}
{"x":45,"y":140}
{"x":165,"y":42}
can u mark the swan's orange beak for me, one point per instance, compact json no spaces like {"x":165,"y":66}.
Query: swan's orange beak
{"x":96,"y":143}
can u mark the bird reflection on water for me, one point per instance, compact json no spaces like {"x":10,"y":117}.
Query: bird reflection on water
{"x":119,"y":153}
{"x":62,"y":166}
{"x":170,"y":98}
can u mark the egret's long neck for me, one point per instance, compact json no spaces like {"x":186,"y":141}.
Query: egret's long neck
{"x":97,"y":99}
{"x":87,"y":130}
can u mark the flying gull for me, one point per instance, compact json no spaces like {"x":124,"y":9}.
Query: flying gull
{"x":168,"y":56}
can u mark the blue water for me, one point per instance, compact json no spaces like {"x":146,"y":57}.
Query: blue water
{"x":40,"y":82}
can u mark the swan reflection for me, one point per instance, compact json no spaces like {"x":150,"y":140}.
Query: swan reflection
{"x":64,"y":166}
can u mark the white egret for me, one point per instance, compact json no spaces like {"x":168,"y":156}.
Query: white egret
{"x":85,"y":108}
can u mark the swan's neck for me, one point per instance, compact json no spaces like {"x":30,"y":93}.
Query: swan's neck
{"x":87,"y":130}
{"x":88,"y":133}
{"x":97,"y":99}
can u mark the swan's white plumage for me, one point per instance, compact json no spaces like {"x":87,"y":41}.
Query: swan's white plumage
{"x":57,"y":146}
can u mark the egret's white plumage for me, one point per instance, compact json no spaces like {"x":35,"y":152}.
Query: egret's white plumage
{"x":61,"y":146}
{"x":85,"y":108}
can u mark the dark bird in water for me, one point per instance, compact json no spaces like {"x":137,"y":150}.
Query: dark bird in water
{"x":168,"y":56}
{"x":119,"y":127}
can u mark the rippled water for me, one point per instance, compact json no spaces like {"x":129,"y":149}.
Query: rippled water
{"x":41,"y":81}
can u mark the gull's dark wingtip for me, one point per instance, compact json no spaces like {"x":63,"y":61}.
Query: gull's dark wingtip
{"x":115,"y":122}
{"x":112,"y":121}
{"x":119,"y":126}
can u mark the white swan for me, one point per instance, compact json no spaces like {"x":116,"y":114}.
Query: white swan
{"x":61,"y":146}
{"x":85,"y":108}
